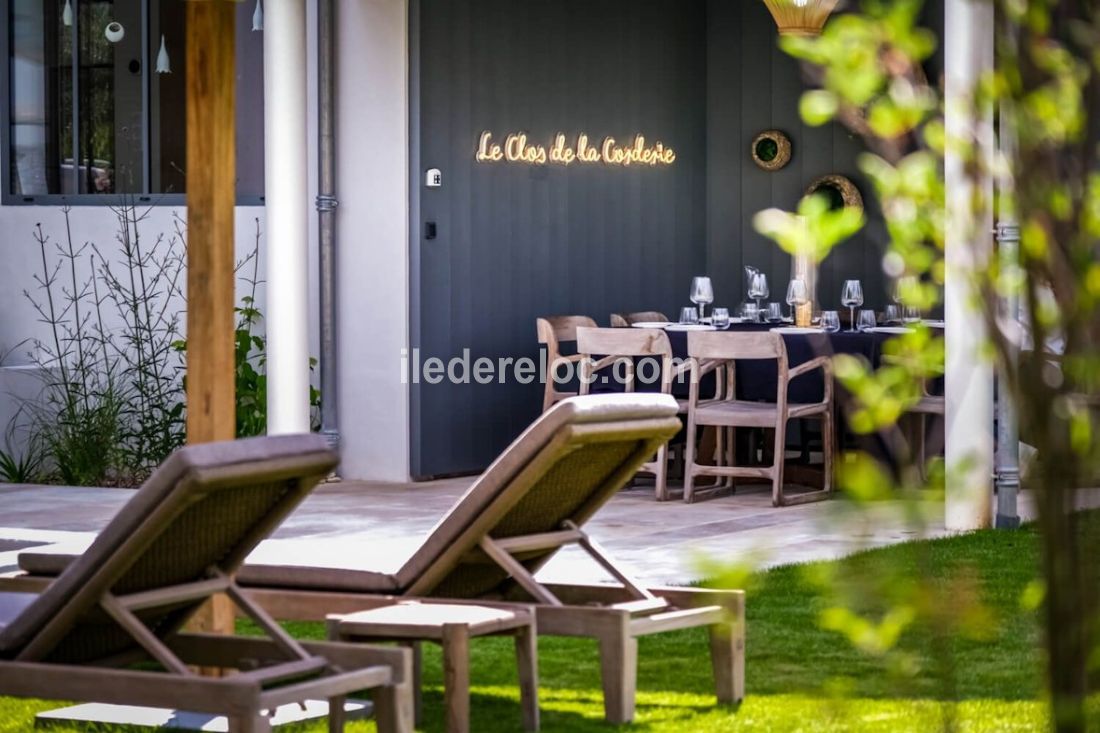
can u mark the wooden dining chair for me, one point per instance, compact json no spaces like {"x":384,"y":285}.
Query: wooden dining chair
{"x":603,"y":348}
{"x":719,"y":351}
{"x":626,"y":320}
{"x":928,"y":406}
{"x":552,"y":331}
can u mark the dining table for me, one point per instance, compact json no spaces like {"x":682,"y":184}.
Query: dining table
{"x":756,"y":379}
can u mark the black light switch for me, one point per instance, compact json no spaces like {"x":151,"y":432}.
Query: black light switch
{"x":429,"y":230}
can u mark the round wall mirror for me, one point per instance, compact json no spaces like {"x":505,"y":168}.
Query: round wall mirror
{"x":838,"y":190}
{"x":771,"y":150}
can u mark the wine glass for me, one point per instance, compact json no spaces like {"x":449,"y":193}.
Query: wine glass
{"x":904,"y":289}
{"x":720,"y":317}
{"x":852,"y":298}
{"x":702,"y":293}
{"x":796,"y":295}
{"x":830,"y":321}
{"x":759,"y":289}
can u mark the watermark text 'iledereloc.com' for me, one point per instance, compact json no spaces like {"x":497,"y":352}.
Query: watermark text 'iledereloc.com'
{"x":465,"y":369}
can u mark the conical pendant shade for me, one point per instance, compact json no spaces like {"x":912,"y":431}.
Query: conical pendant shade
{"x":67,"y":14}
{"x":800,"y":17}
{"x":258,"y":17}
{"x":164,"y":64}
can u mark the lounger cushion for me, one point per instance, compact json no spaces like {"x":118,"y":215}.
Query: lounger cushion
{"x":48,"y":561}
{"x":306,"y":578}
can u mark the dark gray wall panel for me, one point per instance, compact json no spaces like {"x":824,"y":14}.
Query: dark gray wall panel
{"x":516,"y":242}
{"x":752,"y":86}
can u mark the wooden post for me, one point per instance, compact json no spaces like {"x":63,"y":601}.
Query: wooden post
{"x":211,"y":198}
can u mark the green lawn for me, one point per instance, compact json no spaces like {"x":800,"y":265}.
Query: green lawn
{"x":799,"y":676}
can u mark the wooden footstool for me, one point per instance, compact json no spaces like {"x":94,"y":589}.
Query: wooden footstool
{"x":452,"y":626}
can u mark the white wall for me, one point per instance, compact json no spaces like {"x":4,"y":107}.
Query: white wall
{"x":372,"y":235}
{"x":20,"y":258}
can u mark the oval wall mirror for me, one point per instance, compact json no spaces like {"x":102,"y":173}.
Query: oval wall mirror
{"x":771,"y":150}
{"x":839,"y":190}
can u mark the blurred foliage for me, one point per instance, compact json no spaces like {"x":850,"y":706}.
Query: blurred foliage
{"x":868,"y":73}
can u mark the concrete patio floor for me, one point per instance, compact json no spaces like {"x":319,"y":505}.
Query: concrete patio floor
{"x":376,"y":526}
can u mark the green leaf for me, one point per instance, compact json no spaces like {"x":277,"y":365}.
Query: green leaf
{"x":818,"y":107}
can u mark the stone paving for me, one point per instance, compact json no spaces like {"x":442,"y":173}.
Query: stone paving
{"x":376,"y":526}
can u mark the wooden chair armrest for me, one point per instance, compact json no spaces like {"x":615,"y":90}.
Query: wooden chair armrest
{"x":821,"y":362}
{"x":559,"y":360}
{"x":685,"y":367}
{"x":596,"y":365}
{"x":700,"y":369}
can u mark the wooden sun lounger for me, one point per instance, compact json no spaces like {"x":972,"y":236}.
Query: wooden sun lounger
{"x":174,"y":545}
{"x":533,"y":500}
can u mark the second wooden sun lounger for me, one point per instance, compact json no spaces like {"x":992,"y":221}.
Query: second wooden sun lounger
{"x":533,"y":500}
{"x":174,"y":545}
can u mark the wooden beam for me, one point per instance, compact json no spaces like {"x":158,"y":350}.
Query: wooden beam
{"x":211,"y":199}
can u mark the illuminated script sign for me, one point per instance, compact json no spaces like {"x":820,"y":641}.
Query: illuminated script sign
{"x":518,"y":148}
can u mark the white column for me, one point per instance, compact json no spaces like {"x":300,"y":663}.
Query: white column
{"x":287,"y":210}
{"x":968,"y":44}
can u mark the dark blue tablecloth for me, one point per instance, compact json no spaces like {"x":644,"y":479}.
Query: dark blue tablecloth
{"x":756,"y":379}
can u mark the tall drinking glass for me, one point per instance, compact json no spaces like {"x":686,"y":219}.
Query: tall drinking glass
{"x":852,"y":298}
{"x":796,"y":295}
{"x":759,"y":289}
{"x":702,"y":293}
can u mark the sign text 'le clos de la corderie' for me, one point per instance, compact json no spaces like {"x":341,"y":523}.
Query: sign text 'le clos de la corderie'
{"x":518,"y":148}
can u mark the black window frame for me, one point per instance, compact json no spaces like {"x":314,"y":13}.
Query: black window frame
{"x":7,"y":198}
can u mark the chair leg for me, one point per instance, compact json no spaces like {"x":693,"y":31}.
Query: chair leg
{"x":828,"y":448}
{"x":527,"y":661}
{"x":919,"y":450}
{"x":689,"y":460}
{"x":661,"y":477}
{"x":777,"y":462}
{"x":456,"y":677}
{"x":257,"y":723}
{"x":336,"y":714}
{"x":393,"y":708}
{"x":417,"y":689}
{"x":727,"y":657}
{"x":731,"y":454}
{"x":619,"y":671}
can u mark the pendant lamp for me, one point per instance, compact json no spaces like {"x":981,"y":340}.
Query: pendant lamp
{"x":800,"y":17}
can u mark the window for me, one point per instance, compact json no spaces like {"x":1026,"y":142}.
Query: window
{"x":96,"y":101}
